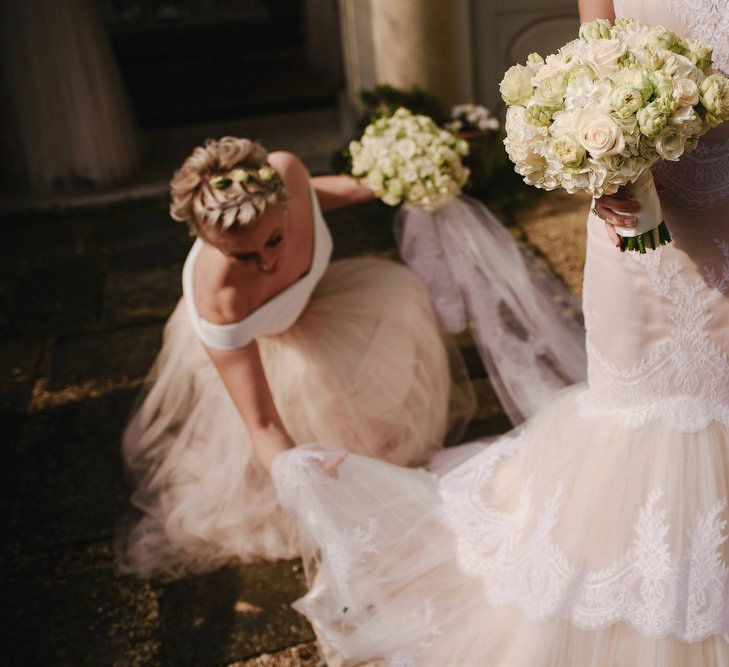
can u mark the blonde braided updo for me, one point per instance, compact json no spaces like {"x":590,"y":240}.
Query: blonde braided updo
{"x":224,"y":183}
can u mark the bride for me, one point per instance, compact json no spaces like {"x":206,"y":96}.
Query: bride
{"x":596,"y":533}
{"x":273,"y":345}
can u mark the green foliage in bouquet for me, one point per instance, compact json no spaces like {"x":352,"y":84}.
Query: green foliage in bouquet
{"x":385,"y":100}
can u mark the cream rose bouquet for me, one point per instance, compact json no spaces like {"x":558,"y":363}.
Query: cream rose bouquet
{"x":407,"y":158}
{"x":595,"y":116}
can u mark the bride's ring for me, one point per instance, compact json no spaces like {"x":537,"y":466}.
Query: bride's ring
{"x":594,"y":210}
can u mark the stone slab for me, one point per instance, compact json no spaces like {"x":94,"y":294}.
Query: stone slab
{"x":119,"y":355}
{"x":233,"y":614}
{"x":71,"y":483}
{"x":141,"y":294}
{"x":45,"y":297}
{"x":304,"y":655}
{"x":71,"y":608}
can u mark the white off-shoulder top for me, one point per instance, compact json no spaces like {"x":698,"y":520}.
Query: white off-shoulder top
{"x":276,"y":315}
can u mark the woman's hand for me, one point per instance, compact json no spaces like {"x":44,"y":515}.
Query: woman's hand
{"x":331,"y":466}
{"x":615,"y":210}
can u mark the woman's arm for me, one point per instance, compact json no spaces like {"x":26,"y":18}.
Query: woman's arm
{"x":332,"y":191}
{"x":596,"y":9}
{"x":337,"y":191}
{"x":243,"y":376}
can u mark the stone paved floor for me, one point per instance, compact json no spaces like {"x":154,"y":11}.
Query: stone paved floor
{"x":83,"y":298}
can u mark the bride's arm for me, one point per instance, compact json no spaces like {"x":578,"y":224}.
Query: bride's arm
{"x":243,"y":376}
{"x":332,"y":191}
{"x":337,"y":191}
{"x":596,"y":9}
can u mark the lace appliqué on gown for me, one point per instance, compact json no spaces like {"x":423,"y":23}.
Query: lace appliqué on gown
{"x":705,"y":20}
{"x":684,"y":381}
{"x":344,"y":553}
{"x":286,"y":472}
{"x":656,"y":592}
{"x":699,"y":180}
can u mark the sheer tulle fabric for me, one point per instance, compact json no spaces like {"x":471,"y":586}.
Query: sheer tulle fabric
{"x":476,"y":274}
{"x":570,"y":541}
{"x":364,"y":367}
{"x":595,"y":534}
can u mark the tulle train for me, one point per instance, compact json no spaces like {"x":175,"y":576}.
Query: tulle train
{"x":364,"y":367}
{"x":571,"y":541}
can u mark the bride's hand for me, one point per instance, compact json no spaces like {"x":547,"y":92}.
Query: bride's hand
{"x":615,"y":210}
{"x":331,"y":466}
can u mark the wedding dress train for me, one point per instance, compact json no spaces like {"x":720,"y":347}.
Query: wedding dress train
{"x":595,"y":533}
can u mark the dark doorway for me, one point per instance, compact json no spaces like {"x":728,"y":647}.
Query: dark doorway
{"x":189,"y":61}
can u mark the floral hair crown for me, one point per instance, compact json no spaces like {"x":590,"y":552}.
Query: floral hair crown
{"x":250,"y":179}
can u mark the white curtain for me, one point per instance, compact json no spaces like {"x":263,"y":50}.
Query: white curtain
{"x":67,"y":122}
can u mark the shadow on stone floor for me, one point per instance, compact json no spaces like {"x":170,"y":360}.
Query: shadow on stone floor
{"x":83,"y":299}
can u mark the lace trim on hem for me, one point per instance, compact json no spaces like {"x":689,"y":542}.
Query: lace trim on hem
{"x":676,"y":412}
{"x":657,"y":593}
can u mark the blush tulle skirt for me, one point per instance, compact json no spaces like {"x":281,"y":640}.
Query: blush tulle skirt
{"x":365,"y":367}
{"x":573,"y":540}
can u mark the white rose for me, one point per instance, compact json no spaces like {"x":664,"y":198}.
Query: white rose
{"x":555,"y":65}
{"x":604,"y":54}
{"x":515,"y":123}
{"x":395,"y":187}
{"x":523,"y":147}
{"x":416,"y":192}
{"x":534,"y":63}
{"x":598,"y":133}
{"x":680,"y":67}
{"x":687,"y":120}
{"x":388,"y":167}
{"x":574,"y":181}
{"x":516,"y":86}
{"x":635,"y":78}
{"x":409,"y":175}
{"x":670,"y":144}
{"x":685,"y":92}
{"x":375,"y":180}
{"x":406,"y":148}
{"x":524,"y":142}
{"x":568,"y":150}
{"x":521,"y":152}
{"x":550,"y":92}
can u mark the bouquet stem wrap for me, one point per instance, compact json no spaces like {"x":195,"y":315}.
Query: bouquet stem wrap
{"x":651,"y":230}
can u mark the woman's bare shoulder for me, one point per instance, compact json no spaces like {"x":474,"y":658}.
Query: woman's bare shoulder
{"x":292,"y":170}
{"x":220,"y":299}
{"x":296,"y":180}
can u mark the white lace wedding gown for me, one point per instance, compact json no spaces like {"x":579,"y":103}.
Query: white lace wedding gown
{"x":595,"y":534}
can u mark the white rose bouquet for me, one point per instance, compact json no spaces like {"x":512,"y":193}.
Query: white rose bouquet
{"x":407,"y":158}
{"x":468,"y":118}
{"x":600,"y":112}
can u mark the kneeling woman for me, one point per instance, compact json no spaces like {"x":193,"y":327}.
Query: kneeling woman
{"x":272,"y":346}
